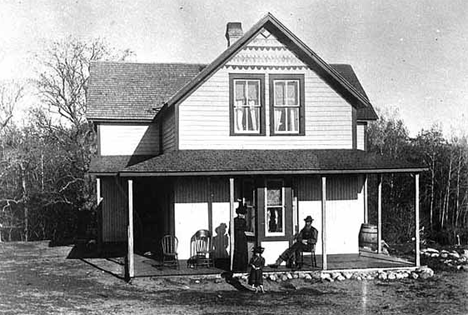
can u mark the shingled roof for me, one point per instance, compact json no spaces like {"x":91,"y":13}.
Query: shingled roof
{"x":134,"y":91}
{"x":137,"y":91}
{"x":232,"y":162}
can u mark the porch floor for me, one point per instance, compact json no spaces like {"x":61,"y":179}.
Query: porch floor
{"x":112,"y":262}
{"x":147,"y":267}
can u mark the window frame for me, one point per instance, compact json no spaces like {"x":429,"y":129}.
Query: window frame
{"x":283,"y":208}
{"x":248,"y":77}
{"x":301,"y":98}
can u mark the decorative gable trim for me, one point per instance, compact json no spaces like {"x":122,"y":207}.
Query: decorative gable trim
{"x":288,"y":39}
{"x":244,"y":67}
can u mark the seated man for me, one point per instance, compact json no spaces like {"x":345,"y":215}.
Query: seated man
{"x":305,"y":241}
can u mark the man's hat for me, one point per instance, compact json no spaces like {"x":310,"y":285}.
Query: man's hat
{"x":308,"y":219}
{"x":258,"y":249}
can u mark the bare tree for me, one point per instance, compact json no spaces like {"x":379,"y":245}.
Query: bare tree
{"x":65,"y":71}
{"x":11,"y":93}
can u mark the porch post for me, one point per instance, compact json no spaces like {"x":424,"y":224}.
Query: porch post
{"x":366,"y":209}
{"x":418,"y":261}
{"x":129,"y":262}
{"x":324,"y":223}
{"x":231,"y":220}
{"x":98,"y":190}
{"x":379,"y":216}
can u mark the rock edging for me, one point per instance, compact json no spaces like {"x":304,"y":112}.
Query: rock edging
{"x":452,"y":259}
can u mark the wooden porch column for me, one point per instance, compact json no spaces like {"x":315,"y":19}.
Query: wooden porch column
{"x":98,"y":190}
{"x":417,"y":250}
{"x":379,"y":216}
{"x":366,"y":209}
{"x":129,"y":262}
{"x":231,"y":220}
{"x":324,"y":223}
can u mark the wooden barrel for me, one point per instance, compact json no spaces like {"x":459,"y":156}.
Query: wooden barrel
{"x":368,"y":236}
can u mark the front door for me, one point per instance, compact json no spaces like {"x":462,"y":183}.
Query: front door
{"x":275,"y":224}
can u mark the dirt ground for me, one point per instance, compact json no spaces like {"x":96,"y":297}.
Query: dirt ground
{"x":38,"y":279}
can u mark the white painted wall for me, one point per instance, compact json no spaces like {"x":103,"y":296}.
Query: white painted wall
{"x":221,"y":215}
{"x":126,"y":139}
{"x":344,"y":219}
{"x":273,"y":250}
{"x":204,"y":118}
{"x":204,"y":115}
{"x":189,"y":218}
{"x":361,"y":138}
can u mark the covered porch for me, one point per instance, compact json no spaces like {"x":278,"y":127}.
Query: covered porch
{"x":231,"y":165}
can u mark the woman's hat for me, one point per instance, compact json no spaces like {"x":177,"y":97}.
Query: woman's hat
{"x":241,"y":209}
{"x":308,"y":219}
{"x":258,"y":249}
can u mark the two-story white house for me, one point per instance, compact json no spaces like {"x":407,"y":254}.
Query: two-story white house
{"x":268,"y":123}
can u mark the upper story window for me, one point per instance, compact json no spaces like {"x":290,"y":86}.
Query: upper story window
{"x":247,"y":104}
{"x":287,"y":104}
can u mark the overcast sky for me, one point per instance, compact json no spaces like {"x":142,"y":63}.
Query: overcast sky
{"x":409,"y":55}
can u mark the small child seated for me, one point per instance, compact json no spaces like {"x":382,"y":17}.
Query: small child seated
{"x":256,"y":272}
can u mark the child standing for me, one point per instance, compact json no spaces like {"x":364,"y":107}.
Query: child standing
{"x":256,"y":272}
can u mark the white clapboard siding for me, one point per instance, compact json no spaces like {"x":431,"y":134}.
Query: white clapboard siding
{"x":128,"y":139}
{"x":345,"y":211}
{"x":190,"y":211}
{"x":204,"y":122}
{"x":204,"y":118}
{"x":361,"y":136}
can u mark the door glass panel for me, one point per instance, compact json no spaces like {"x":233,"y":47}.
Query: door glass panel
{"x":274,"y":214}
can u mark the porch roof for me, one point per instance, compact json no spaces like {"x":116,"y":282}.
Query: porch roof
{"x":249,"y":162}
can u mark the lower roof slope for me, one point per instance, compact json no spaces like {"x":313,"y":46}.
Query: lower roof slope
{"x":239,"y":162}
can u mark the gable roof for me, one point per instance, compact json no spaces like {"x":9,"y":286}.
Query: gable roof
{"x":137,"y":91}
{"x":287,"y":38}
{"x":347,"y":72}
{"x":240,"y":162}
{"x":134,"y":91}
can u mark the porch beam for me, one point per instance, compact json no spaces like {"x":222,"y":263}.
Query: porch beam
{"x":129,"y":262}
{"x":366,"y":198}
{"x":417,"y":250}
{"x":379,"y":215}
{"x":231,"y":220}
{"x":324,"y":223}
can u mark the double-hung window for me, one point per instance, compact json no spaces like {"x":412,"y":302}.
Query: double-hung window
{"x":287,"y":104}
{"x":247,"y":95}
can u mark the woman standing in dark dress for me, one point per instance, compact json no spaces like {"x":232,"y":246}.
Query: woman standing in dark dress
{"x":240,"y":240}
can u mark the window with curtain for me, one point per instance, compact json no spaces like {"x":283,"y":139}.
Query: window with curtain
{"x":247,"y":98}
{"x":274,"y":208}
{"x":287,"y":106}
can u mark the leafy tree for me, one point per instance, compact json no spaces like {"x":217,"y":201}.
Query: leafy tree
{"x":388,"y":136}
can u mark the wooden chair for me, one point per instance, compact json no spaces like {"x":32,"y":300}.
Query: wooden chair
{"x":313,"y":260}
{"x":201,"y":249}
{"x":169,"y":245}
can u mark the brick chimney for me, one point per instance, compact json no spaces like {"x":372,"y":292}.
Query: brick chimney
{"x":233,"y":32}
